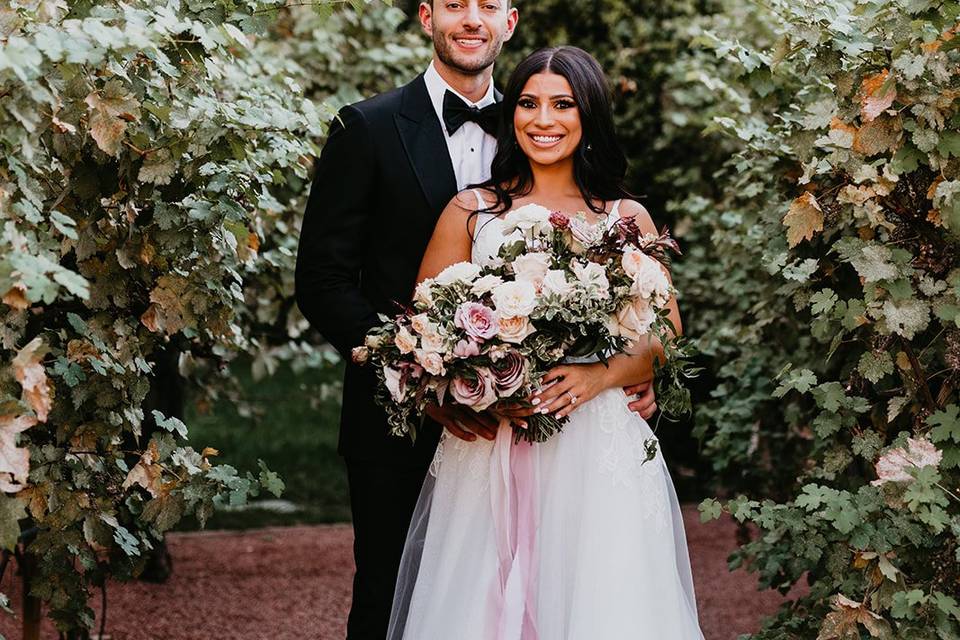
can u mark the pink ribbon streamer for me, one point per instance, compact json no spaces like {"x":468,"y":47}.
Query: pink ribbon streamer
{"x":515,"y":506}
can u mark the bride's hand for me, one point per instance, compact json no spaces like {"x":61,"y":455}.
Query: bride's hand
{"x":568,"y":386}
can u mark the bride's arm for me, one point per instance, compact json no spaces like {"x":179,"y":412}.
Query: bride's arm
{"x":584,"y":381}
{"x":449,"y":244}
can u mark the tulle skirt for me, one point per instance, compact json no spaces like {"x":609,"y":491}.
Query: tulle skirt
{"x":580,"y":541}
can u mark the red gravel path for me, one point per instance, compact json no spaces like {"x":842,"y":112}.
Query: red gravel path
{"x":294,"y":583}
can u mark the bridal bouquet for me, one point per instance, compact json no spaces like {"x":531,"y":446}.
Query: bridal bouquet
{"x":478,"y":335}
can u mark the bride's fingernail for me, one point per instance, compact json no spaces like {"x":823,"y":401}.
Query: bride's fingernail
{"x":535,"y":401}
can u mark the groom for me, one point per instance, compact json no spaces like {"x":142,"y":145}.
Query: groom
{"x":389,"y":167}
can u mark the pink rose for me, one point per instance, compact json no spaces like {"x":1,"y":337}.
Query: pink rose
{"x":476,"y":392}
{"x":509,"y":373}
{"x":559,"y":220}
{"x":479,"y":321}
{"x":466,"y":349}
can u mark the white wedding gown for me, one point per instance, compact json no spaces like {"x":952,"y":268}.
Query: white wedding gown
{"x":580,"y":541}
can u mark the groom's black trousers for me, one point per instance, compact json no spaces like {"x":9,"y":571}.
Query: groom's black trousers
{"x":383,"y":495}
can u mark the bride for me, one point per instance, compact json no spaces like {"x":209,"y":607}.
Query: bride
{"x":575,"y":538}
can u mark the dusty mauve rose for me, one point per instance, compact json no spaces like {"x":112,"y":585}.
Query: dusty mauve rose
{"x":360,"y":355}
{"x":559,"y":220}
{"x":478,"y":393}
{"x":894,"y":464}
{"x":509,"y":373}
{"x":479,"y":321}
{"x":515,"y":329}
{"x":466,"y":349}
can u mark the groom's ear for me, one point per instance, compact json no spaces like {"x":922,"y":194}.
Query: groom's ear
{"x":425,"y":12}
{"x":512,"y":17}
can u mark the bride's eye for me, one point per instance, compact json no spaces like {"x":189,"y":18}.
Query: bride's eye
{"x":526,"y":103}
{"x":565,"y":104}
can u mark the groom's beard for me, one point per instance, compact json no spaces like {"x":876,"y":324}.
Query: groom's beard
{"x":451,"y":58}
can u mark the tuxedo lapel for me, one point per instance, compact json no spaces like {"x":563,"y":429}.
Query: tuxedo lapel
{"x":425,"y":145}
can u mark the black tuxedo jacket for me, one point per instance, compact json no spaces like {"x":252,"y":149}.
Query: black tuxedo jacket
{"x":381,"y":182}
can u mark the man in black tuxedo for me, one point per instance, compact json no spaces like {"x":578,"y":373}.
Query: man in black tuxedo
{"x":389,"y":167}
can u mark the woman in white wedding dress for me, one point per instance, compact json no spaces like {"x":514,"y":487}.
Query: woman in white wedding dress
{"x":575,"y":538}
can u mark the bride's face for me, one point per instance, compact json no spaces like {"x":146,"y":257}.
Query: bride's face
{"x":547,"y":119}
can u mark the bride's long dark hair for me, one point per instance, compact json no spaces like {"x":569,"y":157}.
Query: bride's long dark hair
{"x":599,"y":165}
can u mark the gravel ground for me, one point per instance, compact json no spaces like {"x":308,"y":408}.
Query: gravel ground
{"x":294,"y":583}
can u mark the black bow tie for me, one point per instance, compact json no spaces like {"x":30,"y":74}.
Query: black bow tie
{"x":456,"y":112}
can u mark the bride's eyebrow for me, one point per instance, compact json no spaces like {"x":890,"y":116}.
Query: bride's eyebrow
{"x":556,"y":97}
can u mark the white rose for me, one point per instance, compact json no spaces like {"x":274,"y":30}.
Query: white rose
{"x":632,"y":261}
{"x":515,"y":330}
{"x":592,"y":277}
{"x":405,"y":340}
{"x":485,"y":284}
{"x":458,"y":272}
{"x":422,"y":294}
{"x":433,"y":341}
{"x":556,"y":283}
{"x":421,"y":324}
{"x":649,"y":281}
{"x":392,"y":380}
{"x":529,"y":219}
{"x":632,"y":320}
{"x":431,"y":361}
{"x":513,"y":299}
{"x":532,"y":267}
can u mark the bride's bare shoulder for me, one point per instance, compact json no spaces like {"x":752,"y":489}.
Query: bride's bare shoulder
{"x":640,"y":215}
{"x":468,"y":198}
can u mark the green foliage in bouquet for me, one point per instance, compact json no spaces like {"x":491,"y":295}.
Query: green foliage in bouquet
{"x":835,"y":307}
{"x":155,"y":158}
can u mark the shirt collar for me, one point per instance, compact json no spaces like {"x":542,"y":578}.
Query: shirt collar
{"x":437,"y":86}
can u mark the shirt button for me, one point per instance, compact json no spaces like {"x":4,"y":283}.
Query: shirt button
{"x":471,"y":149}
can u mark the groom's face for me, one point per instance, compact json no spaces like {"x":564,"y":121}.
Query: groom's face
{"x":468,"y":34}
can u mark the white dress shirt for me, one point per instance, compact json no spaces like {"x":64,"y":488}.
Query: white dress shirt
{"x":471,"y":148}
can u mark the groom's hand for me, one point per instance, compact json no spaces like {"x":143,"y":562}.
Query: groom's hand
{"x":646,"y":400}
{"x":464,"y":423}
